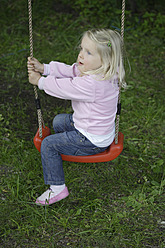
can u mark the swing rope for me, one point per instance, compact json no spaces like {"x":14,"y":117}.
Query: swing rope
{"x":120,"y":83}
{"x":39,"y":113}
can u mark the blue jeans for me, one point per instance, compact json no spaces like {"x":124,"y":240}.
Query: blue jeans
{"x":66,"y":140}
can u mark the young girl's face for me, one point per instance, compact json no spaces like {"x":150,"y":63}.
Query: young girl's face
{"x":88,"y":58}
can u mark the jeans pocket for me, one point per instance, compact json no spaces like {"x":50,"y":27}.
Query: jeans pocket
{"x":81,"y":136}
{"x":85,"y":151}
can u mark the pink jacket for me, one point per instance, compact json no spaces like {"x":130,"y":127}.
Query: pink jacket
{"x":94,"y":102}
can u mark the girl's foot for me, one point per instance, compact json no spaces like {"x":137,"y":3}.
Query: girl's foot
{"x":49,"y":197}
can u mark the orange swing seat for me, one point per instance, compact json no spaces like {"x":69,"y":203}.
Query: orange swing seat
{"x":112,"y":152}
{"x":38,"y":140}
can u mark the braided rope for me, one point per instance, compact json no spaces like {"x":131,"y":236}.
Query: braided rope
{"x":39,"y":113}
{"x":120,"y":83}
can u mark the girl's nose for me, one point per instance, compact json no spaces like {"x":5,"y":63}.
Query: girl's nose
{"x":81,"y":54}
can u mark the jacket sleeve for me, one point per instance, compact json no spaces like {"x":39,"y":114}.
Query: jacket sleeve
{"x":61,"y":70}
{"x":77,"y":88}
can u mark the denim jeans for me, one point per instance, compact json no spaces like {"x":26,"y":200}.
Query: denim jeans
{"x":66,"y":140}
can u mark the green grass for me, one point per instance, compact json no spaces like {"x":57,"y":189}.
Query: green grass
{"x":115,"y":204}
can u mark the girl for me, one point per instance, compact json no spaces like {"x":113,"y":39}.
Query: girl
{"x":92,"y":85}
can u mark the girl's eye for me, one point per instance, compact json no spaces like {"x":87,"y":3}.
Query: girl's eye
{"x":88,"y":53}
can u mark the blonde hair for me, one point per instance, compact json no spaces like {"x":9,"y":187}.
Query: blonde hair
{"x":109,"y":46}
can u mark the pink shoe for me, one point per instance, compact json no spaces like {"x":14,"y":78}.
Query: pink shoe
{"x":49,"y":197}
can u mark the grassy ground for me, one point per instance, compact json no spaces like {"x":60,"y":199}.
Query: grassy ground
{"x":115,"y":204}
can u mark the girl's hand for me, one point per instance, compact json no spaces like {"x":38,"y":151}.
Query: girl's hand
{"x":34,"y":77}
{"x":34,"y":64}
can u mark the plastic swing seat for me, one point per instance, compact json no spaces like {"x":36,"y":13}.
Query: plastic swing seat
{"x":38,"y":140}
{"x":112,"y":152}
